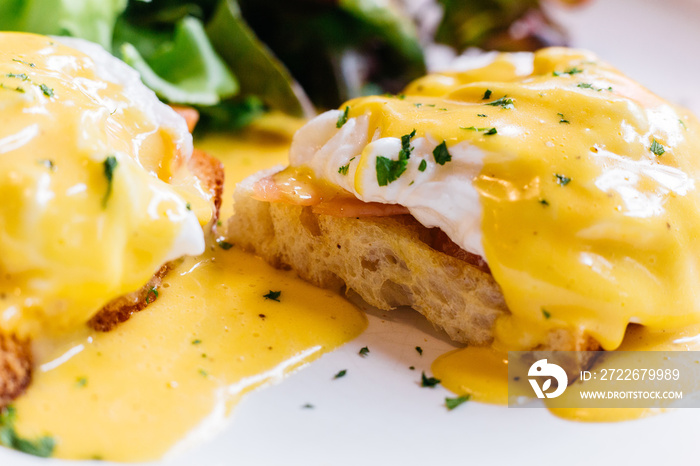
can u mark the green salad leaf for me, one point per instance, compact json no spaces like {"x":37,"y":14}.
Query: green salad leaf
{"x":185,"y":70}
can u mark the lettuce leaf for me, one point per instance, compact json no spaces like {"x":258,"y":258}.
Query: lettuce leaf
{"x":185,"y":70}
{"x":89,"y":19}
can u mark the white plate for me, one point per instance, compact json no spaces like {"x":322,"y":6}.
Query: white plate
{"x":378,"y":414}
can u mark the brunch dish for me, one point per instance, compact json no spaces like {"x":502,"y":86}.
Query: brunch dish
{"x":159,"y":374}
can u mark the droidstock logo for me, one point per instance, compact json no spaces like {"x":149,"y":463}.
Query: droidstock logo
{"x":541,"y":369}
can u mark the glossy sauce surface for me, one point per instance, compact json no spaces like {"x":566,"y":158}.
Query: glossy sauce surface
{"x":96,"y":193}
{"x":171,"y":374}
{"x":587,"y":191}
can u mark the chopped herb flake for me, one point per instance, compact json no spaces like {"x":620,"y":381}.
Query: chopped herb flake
{"x":203,"y":373}
{"x":48,"y":163}
{"x":561,"y":179}
{"x":308,"y":406}
{"x":546,"y":313}
{"x":569,"y":72}
{"x":188,"y":206}
{"x":487,"y":131}
{"x":482,"y":115}
{"x":48,"y":92}
{"x":420,"y":350}
{"x":389,"y":170}
{"x":406,"y":148}
{"x":423,"y":165}
{"x":225,"y":245}
{"x":343,"y":118}
{"x":273,"y":295}
{"x":429,"y":382}
{"x":503,"y":102}
{"x":401,"y":96}
{"x":42,"y":446}
{"x":452,"y":403}
{"x":585,"y":85}
{"x":442,"y":156}
{"x":31,"y":65}
{"x":682,"y":124}
{"x":487,"y":95}
{"x":21,"y":76}
{"x":562,"y":119}
{"x":196,"y":342}
{"x":340,"y":374}
{"x":109,"y":166}
{"x":544,"y":202}
{"x":364,"y":351}
{"x":418,"y":105}
{"x":344,"y":169}
{"x":81,"y":382}
{"x":152,"y":295}
{"x":657,"y":148}
{"x":413,"y":368}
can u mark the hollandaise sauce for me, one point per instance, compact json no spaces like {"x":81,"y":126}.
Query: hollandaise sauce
{"x":223,"y":324}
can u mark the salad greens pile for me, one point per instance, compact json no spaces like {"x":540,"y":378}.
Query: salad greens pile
{"x":235,"y":59}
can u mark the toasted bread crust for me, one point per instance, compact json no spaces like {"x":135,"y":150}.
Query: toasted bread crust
{"x":389,"y":262}
{"x":15,"y":368}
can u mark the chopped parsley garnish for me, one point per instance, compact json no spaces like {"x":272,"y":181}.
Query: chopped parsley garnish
{"x":429,"y":382}
{"x":569,"y":72}
{"x":16,"y":89}
{"x":81,"y":382}
{"x":343,"y":118}
{"x":562,"y":119}
{"x":406,"y":148}
{"x":487,"y":95}
{"x":543,"y":202}
{"x":344,"y":169}
{"x":420,"y":350}
{"x":590,"y":86}
{"x":656,"y":148}
{"x":42,"y":446}
{"x":21,"y":76}
{"x":48,"y":163}
{"x":364,"y":351}
{"x":401,"y":96}
{"x":546,"y":313}
{"x":203,"y":373}
{"x":418,"y":105}
{"x":561,"y":179}
{"x":503,"y":102}
{"x":442,"y":156}
{"x":273,"y":295}
{"x":152,"y":292}
{"x":389,"y":170}
{"x":413,"y":368}
{"x":308,"y":406}
{"x":225,"y":245}
{"x":682,"y":124}
{"x":31,"y":65}
{"x":482,"y":115}
{"x":488,"y":131}
{"x":188,"y":206}
{"x":340,"y":374}
{"x":109,"y":165}
{"x":48,"y":92}
{"x":423,"y":165}
{"x":196,"y":342}
{"x":452,"y":403}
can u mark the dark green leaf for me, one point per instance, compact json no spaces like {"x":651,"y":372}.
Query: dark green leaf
{"x":429,"y":382}
{"x":503,"y":102}
{"x":561,"y":179}
{"x":657,"y":148}
{"x":340,"y":374}
{"x":442,"y":156}
{"x":109,"y":166}
{"x":364,"y":351}
{"x":343,"y":118}
{"x":452,"y":403}
{"x":273,"y":295}
{"x":389,"y":170}
{"x":423,"y":165}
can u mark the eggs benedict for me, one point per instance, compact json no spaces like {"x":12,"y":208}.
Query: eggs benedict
{"x":530,"y":200}
{"x":100,"y":190}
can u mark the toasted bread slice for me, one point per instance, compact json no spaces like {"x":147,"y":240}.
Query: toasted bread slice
{"x":388,"y":261}
{"x":15,"y":355}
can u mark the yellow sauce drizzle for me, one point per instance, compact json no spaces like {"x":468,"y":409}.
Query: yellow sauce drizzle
{"x":176,"y":369}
